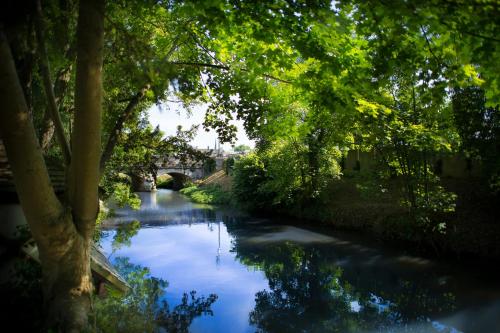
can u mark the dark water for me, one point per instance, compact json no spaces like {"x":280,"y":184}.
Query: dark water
{"x":281,"y":278}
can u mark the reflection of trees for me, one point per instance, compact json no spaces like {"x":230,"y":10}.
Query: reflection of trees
{"x":305,"y":294}
{"x":309,"y":293}
{"x":181,"y":317}
{"x":142,"y":309}
{"x":123,"y":235}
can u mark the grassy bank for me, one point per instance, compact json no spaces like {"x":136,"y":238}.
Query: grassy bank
{"x":215,"y":190}
{"x":209,"y":194}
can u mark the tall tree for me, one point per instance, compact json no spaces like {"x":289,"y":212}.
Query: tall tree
{"x":63,"y":229}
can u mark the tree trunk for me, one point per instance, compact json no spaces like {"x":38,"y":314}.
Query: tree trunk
{"x":63,"y":233}
{"x":50,"y":96}
{"x":83,"y":180}
{"x":64,"y":254}
{"x":67,"y":279}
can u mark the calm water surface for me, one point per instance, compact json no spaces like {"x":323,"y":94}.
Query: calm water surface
{"x":273,"y":277}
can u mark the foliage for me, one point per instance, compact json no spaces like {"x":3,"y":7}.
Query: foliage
{"x":242,"y":148}
{"x":123,"y":196}
{"x":23,"y":294}
{"x":123,"y":235}
{"x":407,"y":129}
{"x":310,"y":80}
{"x":284,"y":174}
{"x":479,"y":130}
{"x":209,"y":166}
{"x":353,"y":75}
{"x":249,"y":174}
{"x":210,"y":194}
{"x":228,"y":165}
{"x":143,"y":309}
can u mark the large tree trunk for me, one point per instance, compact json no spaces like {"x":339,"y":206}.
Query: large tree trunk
{"x":63,"y":233}
{"x":63,"y":253}
{"x":67,"y":279}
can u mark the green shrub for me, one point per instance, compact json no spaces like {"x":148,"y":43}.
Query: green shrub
{"x":124,"y":196}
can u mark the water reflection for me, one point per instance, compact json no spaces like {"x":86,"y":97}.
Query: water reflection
{"x":277,"y":278}
{"x":143,"y":309}
{"x":309,"y":293}
{"x":163,"y":207}
{"x":322,"y":283}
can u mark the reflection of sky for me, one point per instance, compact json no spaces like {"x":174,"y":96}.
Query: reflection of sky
{"x":186,"y":256}
{"x":179,"y":242}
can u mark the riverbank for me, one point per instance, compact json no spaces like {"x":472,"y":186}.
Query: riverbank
{"x":215,"y":190}
{"x":471,"y":231}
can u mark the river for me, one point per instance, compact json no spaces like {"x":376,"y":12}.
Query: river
{"x":270,"y":276}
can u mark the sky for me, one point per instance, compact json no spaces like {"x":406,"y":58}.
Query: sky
{"x":171,"y":114}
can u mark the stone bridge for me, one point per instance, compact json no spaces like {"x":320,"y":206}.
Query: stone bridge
{"x":179,"y":172}
{"x":176,"y":171}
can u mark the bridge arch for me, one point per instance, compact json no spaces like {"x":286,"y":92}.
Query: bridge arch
{"x":196,"y":173}
{"x":179,"y":179}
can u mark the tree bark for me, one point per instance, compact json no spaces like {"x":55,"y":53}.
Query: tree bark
{"x":61,"y":83}
{"x":23,"y":152}
{"x":65,"y":262}
{"x":67,"y":279}
{"x":60,"y":88}
{"x":86,"y":140}
{"x":63,"y":234}
{"x":47,"y":83}
{"x":67,"y":276}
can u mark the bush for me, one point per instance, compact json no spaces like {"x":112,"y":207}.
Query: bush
{"x":249,"y":176}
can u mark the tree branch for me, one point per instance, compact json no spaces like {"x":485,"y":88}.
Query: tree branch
{"x":125,"y":115}
{"x":86,"y":139}
{"x":224,"y":67}
{"x":60,"y":88}
{"x":36,"y":194}
{"x":115,"y":133}
{"x":429,"y":46}
{"x":47,"y":83}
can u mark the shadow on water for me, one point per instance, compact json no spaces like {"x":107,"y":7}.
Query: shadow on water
{"x":280,"y":278}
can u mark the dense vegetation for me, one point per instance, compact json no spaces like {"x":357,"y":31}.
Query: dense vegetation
{"x":410,"y":84}
{"x":406,"y":81}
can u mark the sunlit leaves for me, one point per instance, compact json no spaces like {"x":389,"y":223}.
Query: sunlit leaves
{"x":371,"y":108}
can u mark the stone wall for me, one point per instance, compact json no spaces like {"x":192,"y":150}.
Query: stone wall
{"x":444,"y":165}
